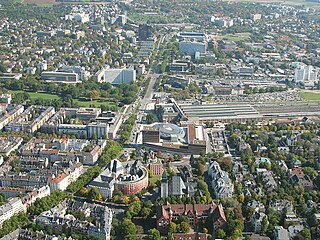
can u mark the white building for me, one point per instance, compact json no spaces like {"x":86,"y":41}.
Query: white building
{"x":78,"y":17}
{"x":306,"y":74}
{"x":223,"y":22}
{"x":7,"y":210}
{"x":119,"y":75}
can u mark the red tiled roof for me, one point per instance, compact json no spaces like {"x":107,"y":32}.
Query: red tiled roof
{"x":58,"y":178}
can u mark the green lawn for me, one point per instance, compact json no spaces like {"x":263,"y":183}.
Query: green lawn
{"x":235,"y":37}
{"x":310,"y":96}
{"x":35,"y":95}
{"x":81,"y":102}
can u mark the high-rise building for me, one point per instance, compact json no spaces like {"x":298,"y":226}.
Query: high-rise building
{"x":145,"y":32}
{"x":306,"y":74}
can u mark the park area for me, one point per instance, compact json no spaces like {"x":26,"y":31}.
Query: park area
{"x":83,"y":102}
{"x":310,"y":95}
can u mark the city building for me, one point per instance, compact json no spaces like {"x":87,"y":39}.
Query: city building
{"x":9,"y":144}
{"x":191,"y":48}
{"x":176,"y":186}
{"x":197,"y":213}
{"x":281,"y":233}
{"x":31,"y":119}
{"x":256,"y":221}
{"x":306,"y":75}
{"x":10,"y":115}
{"x":168,"y":137}
{"x":192,"y":36}
{"x":61,"y":77}
{"x":87,"y":151}
{"x":12,"y":207}
{"x":60,"y":219}
{"x":145,"y":32}
{"x":221,"y":183}
{"x":127,"y":177}
{"x":119,"y":75}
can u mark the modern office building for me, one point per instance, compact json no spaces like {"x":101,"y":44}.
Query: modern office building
{"x":61,"y":77}
{"x":191,"y":48}
{"x":120,"y":75}
{"x":192,"y":36}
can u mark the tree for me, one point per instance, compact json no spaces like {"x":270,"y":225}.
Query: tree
{"x":153,"y":234}
{"x":311,"y":172}
{"x":128,"y":227}
{"x":150,"y":118}
{"x":94,"y":194}
{"x":185,"y":227}
{"x":84,"y":192}
{"x":221,"y":233}
{"x":264,"y":225}
{"x":306,"y":234}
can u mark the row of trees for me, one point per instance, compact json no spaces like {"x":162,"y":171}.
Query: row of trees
{"x":84,"y":179}
{"x":46,"y":203}
{"x":127,"y":128}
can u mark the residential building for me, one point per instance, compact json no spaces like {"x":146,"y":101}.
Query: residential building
{"x":197,"y":213}
{"x":281,"y":233}
{"x":256,"y":221}
{"x":31,"y":119}
{"x":9,"y":144}
{"x":12,"y":207}
{"x":60,"y":219}
{"x":221,"y":183}
{"x":11,"y":115}
{"x":306,"y":75}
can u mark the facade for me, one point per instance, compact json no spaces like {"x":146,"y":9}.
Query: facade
{"x":60,"y":221}
{"x":60,"y":77}
{"x":191,"y":48}
{"x":197,"y":213}
{"x":119,"y":76}
{"x":11,"y":208}
{"x":129,"y":178}
{"x":306,"y":75}
{"x":97,"y":130}
{"x":11,"y":115}
{"x":145,"y":32}
{"x":221,"y":183}
{"x":32,"y":119}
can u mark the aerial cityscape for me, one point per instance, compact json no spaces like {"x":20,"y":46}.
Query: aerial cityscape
{"x":159,"y":120}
